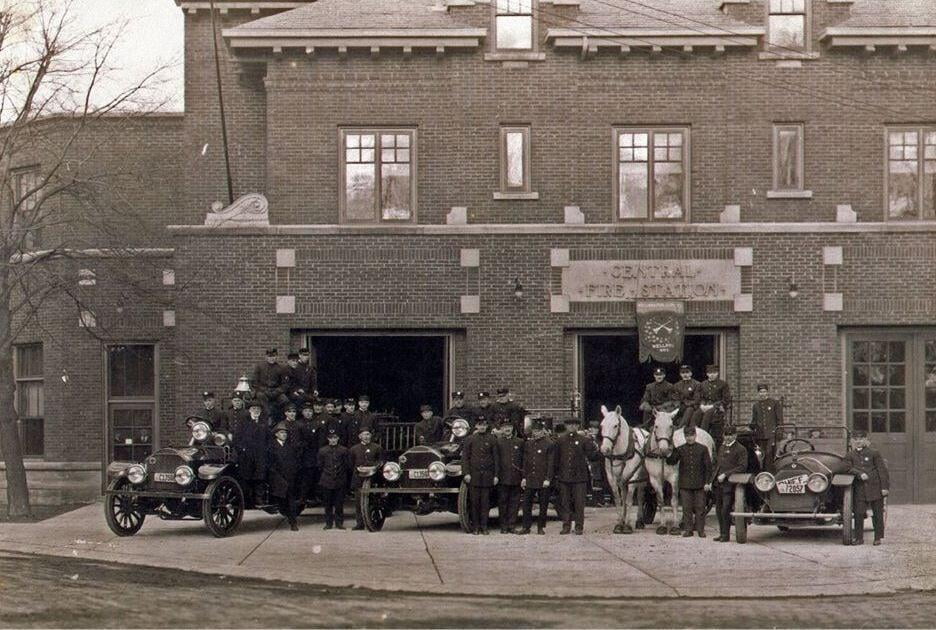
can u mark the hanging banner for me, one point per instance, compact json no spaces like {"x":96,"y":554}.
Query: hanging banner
{"x":662,"y":327}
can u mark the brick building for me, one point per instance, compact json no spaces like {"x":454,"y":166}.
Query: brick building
{"x":472,"y":193}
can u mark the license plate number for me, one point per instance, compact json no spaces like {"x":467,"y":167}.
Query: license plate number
{"x":164,"y":477}
{"x":794,"y":485}
{"x":419,"y":473}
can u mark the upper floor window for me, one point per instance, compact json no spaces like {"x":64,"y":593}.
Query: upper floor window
{"x":788,"y":157}
{"x":513,"y":24}
{"x":30,"y":397}
{"x":25,"y":199}
{"x":378,"y":175}
{"x":652,"y":173}
{"x":786,"y":26}
{"x":911,"y":173}
{"x":515,"y":159}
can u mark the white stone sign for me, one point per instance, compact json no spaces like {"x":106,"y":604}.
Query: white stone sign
{"x":628,"y":280}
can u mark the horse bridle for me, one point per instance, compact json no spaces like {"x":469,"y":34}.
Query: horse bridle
{"x":604,"y":437}
{"x":658,"y":454}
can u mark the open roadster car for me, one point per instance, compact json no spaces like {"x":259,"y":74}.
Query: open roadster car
{"x":425,"y":478}
{"x":807,"y":484}
{"x":198,"y":481}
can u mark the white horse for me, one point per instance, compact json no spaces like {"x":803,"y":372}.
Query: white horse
{"x":623,"y":449}
{"x":662,"y":440}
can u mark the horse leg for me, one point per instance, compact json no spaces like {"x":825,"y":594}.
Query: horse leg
{"x":614,"y":482}
{"x":657,"y":485}
{"x":674,"y":482}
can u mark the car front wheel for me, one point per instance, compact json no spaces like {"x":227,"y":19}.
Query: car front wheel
{"x":464,"y":518}
{"x":123,"y":512}
{"x":740,"y":523}
{"x":223,"y":508}
{"x":372,"y":508}
{"x":848,"y":517}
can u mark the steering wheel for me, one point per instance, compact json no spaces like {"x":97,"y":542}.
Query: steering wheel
{"x":786,"y":445}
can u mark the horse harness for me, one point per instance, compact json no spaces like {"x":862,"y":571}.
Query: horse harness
{"x":629,"y":453}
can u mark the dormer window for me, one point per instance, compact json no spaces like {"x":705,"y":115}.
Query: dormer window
{"x":787,"y":26}
{"x":513,"y":25}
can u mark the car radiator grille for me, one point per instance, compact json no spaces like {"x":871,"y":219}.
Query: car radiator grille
{"x":165,"y":463}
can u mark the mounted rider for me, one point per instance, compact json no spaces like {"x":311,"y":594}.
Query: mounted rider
{"x":716,"y":400}
{"x":655,"y":394}
{"x":689,"y":394}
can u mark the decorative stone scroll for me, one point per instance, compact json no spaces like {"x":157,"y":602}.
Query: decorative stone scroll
{"x":251,"y":209}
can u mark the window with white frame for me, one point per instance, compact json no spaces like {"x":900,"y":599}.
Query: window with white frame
{"x":515,"y":159}
{"x":30,"y":398}
{"x":787,"y":26}
{"x":513,"y":25}
{"x":651,"y":173}
{"x":378,"y":175}
{"x":788,"y":157}
{"x":911,"y":173}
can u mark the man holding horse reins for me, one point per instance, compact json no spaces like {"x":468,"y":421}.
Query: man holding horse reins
{"x":655,"y":394}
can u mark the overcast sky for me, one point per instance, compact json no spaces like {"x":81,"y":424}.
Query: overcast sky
{"x":153,"y":36}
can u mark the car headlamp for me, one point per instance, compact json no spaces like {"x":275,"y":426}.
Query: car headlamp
{"x":136,"y":474}
{"x":460,"y":428}
{"x":453,"y":469}
{"x":184,"y":475}
{"x":817,"y":483}
{"x":764,"y":482}
{"x":437,"y":471}
{"x":219,"y":439}
{"x":200,"y":431}
{"x":392,"y":471}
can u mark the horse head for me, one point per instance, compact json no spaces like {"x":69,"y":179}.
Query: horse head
{"x":663,"y":429}
{"x":612,"y":423}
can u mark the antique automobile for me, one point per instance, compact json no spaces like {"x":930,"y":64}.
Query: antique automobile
{"x":426,"y":478}
{"x":198,"y":481}
{"x":807,"y":484}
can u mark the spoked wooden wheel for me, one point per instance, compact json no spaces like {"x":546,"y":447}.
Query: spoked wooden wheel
{"x":372,"y":508}
{"x":123,"y":512}
{"x":464,"y":518}
{"x":223,"y":508}
{"x":848,"y":516}
{"x":740,"y":505}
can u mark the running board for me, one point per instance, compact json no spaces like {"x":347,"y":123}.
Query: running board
{"x":798,"y":515}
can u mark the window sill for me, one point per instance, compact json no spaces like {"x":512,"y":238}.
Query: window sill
{"x":787,"y":56}
{"x":515,"y":56}
{"x":513,"y":196}
{"x":789,"y":194}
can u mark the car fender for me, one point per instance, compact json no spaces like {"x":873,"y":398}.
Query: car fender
{"x":842,"y":479}
{"x":744,"y":478}
{"x":208,"y":472}
{"x":116,"y":470}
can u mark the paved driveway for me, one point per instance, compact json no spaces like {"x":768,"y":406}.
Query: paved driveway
{"x":430,"y":554}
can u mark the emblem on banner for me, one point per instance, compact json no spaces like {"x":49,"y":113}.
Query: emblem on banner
{"x":661,"y":327}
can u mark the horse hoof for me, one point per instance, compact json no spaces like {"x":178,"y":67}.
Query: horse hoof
{"x":675,"y":532}
{"x":618,"y":529}
{"x":661,"y":530}
{"x":640,"y":525}
{"x":627,"y":529}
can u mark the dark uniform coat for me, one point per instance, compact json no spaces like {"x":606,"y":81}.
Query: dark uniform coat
{"x":252,"y":443}
{"x":695,"y":465}
{"x":216,"y":418}
{"x":655,"y":394}
{"x":308,"y":377}
{"x":716,"y":391}
{"x":285,"y":463}
{"x":573,"y":450}
{"x":479,"y":459}
{"x":510,"y":460}
{"x":510,"y":412}
{"x":460,"y":412}
{"x":539,"y":461}
{"x":312,"y":434}
{"x":766,"y":415}
{"x":335,"y":467}
{"x":364,"y":420}
{"x":730,"y":459}
{"x":268,"y":379}
{"x":340,"y":423}
{"x":233,"y":417}
{"x":363,"y":455}
{"x":688,"y":393}
{"x":429,"y":431}
{"x":870,"y":462}
{"x":293,"y":383}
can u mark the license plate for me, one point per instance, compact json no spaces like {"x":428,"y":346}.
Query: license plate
{"x":164,"y":477}
{"x":419,"y":473}
{"x":793,"y":485}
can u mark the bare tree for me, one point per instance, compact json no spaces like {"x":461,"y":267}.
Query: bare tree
{"x":55,"y":87}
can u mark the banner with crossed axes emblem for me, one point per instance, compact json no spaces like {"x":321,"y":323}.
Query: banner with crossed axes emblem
{"x":661,"y":327}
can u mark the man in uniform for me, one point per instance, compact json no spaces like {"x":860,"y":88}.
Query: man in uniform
{"x":689,"y":394}
{"x":335,"y":470}
{"x":285,"y":466}
{"x":481,"y":467}
{"x":510,"y":465}
{"x":293,"y":379}
{"x":716,"y":399}
{"x":539,"y":468}
{"x":312,"y":431}
{"x":766,"y":416}
{"x":429,"y":428}
{"x":483,"y":408}
{"x":872,"y":484}
{"x":506,"y":410}
{"x":335,"y":420}
{"x":364,"y":453}
{"x":731,"y":458}
{"x":655,"y":394}
{"x":458,"y":408}
{"x":267,"y":383}
{"x":252,"y":443}
{"x":573,"y":450}
{"x":309,"y":374}
{"x":213,"y":414}
{"x":237,"y":413}
{"x":292,"y":425}
{"x":364,"y":418}
{"x":350,"y":419}
{"x":695,"y":470}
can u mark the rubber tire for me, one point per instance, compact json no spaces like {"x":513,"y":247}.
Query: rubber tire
{"x":464,"y":518}
{"x":740,"y":523}
{"x":649,"y":507}
{"x":110,"y":502}
{"x":783,"y":528}
{"x":371,"y":509}
{"x":848,"y":515}
{"x":216,"y":486}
